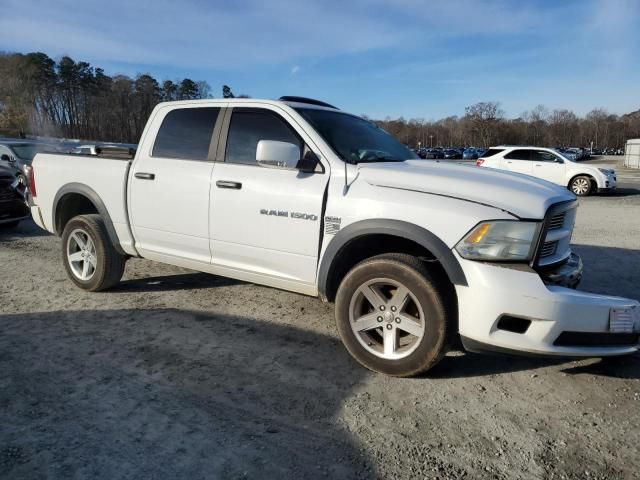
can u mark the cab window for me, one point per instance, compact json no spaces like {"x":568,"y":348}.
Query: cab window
{"x":186,"y":133}
{"x":248,"y":127}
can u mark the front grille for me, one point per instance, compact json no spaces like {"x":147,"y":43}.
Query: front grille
{"x":548,"y":249}
{"x":557,"y":221}
{"x":7,"y":194}
{"x":554,"y":245}
{"x":596,"y":339}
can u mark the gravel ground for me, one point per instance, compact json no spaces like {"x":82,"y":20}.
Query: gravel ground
{"x":177,"y":374}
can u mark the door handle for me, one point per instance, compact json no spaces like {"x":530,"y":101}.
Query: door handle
{"x":509,"y":162}
{"x":145,"y":176}
{"x":228,"y":184}
{"x":538,"y":165}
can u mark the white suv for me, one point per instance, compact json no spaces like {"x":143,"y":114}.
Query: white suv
{"x":549,"y":164}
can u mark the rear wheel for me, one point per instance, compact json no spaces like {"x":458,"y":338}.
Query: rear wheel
{"x":89,"y":257}
{"x":391,"y":315}
{"x":581,"y":185}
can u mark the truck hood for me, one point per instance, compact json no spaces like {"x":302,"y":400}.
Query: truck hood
{"x":520,"y":195}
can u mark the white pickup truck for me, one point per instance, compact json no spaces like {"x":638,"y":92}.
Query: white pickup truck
{"x":298,"y":195}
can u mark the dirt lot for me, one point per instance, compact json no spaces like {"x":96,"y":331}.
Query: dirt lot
{"x":184,"y":375}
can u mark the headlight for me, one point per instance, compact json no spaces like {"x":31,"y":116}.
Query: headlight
{"x":500,"y":240}
{"x":606,"y":171}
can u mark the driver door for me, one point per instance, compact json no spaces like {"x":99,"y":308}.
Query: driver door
{"x":548,"y":166}
{"x":264,"y":221}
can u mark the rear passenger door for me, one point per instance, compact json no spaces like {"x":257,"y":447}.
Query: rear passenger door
{"x":265,"y":222}
{"x":169,"y":185}
{"x":518,"y":161}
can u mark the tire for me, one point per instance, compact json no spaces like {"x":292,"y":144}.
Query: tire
{"x":89,"y":257}
{"x":375,"y":335}
{"x":581,"y":185}
{"x":8,"y":225}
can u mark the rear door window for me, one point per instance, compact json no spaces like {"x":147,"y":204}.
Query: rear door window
{"x":491,"y":152}
{"x":519,"y":154}
{"x":186,"y":133}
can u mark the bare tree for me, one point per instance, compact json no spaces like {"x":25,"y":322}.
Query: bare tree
{"x":482,"y":118}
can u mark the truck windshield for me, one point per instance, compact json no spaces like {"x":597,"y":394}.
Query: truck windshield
{"x":354,"y":139}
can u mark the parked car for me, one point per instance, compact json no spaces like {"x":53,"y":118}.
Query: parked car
{"x":568,"y":153}
{"x":470,"y":154}
{"x":13,"y":203}
{"x":452,"y":154}
{"x":298,"y":195}
{"x":433,"y":153}
{"x":551,"y":165}
{"x":17,"y":154}
{"x":421,"y":152}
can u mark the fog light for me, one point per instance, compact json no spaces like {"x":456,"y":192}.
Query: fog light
{"x":624,"y":319}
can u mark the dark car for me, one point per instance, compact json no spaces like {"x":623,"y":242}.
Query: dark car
{"x":470,"y":154}
{"x":452,"y":154}
{"x":13,"y":204}
{"x":434,"y":153}
{"x":16,"y":154}
{"x":421,"y":152}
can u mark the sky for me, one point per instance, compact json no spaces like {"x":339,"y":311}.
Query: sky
{"x":410,"y":58}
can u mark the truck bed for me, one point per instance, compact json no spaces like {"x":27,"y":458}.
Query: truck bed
{"x":107,"y":177}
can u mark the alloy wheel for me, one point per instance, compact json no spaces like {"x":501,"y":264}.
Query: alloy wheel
{"x":386,"y":318}
{"x":81,"y":254}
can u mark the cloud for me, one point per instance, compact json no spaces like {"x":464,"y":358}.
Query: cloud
{"x":194,"y":33}
{"x":244,"y":33}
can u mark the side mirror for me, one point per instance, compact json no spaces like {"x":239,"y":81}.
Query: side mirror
{"x":5,"y":158}
{"x":271,"y":153}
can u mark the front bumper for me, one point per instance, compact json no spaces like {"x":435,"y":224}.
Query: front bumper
{"x":551,"y":319}
{"x":13,"y":204}
{"x":610,"y":184}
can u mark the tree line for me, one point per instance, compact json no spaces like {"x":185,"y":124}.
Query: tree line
{"x":73,"y":99}
{"x":41,"y":96}
{"x":484,"y":124}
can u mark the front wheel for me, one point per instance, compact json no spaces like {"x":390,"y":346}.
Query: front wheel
{"x":581,"y":186}
{"x":392,"y":316}
{"x":89,"y":257}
